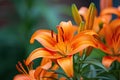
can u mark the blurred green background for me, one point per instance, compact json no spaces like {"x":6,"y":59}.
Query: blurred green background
{"x":19,"y":19}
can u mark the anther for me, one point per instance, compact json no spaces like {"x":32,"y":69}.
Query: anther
{"x":62,"y":30}
{"x":52,"y":33}
{"x":57,"y":38}
{"x":21,"y":67}
{"x":63,"y":38}
{"x":18,"y":68}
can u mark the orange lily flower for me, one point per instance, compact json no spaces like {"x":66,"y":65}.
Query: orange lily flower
{"x":105,"y":15}
{"x":111,"y":33}
{"x":25,"y":75}
{"x":40,"y":73}
{"x":62,"y":46}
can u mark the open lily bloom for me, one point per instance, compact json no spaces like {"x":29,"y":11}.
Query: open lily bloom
{"x":26,"y":75}
{"x":62,"y":46}
{"x":105,"y":14}
{"x":111,"y":33}
{"x":40,"y":73}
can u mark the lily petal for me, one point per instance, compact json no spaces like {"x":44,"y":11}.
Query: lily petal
{"x":52,"y":74}
{"x":42,"y":68}
{"x":67,"y":65}
{"x":105,"y":4}
{"x":83,"y":42}
{"x":46,"y":37}
{"x":41,"y":52}
{"x":108,"y":34}
{"x":110,"y":11}
{"x":21,"y":77}
{"x":31,"y":73}
{"x":67,"y":30}
{"x":108,"y":60}
{"x":114,"y":24}
{"x":118,"y":59}
{"x":44,"y":73}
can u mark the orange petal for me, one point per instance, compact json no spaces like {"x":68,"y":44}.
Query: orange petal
{"x":21,"y":77}
{"x":107,"y":32}
{"x":85,"y":32}
{"x":41,"y":70}
{"x":114,"y":24}
{"x":67,"y":31}
{"x":44,"y":61}
{"x":82,"y":42}
{"x":96,"y":24}
{"x":67,"y":65}
{"x":38,"y":71}
{"x":110,"y":11}
{"x":51,"y":75}
{"x":101,"y":19}
{"x":31,"y":73}
{"x":89,"y":32}
{"x":45,"y":37}
{"x":44,"y":73}
{"x":47,"y":65}
{"x":104,"y":48}
{"x":118,"y":59}
{"x":105,"y":4}
{"x":108,"y":60}
{"x":41,"y":52}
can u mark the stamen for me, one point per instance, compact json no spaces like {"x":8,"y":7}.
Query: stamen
{"x":52,"y":33}
{"x":22,"y":68}
{"x":18,"y":68}
{"x":63,"y":38}
{"x":62,"y":30}
{"x":62,"y":54}
{"x":57,"y":38}
{"x":26,"y":65}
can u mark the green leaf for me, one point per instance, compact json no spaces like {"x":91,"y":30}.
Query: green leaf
{"x":76,"y":15}
{"x":96,"y":62}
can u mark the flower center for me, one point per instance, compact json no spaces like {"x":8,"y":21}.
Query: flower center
{"x":64,"y":48}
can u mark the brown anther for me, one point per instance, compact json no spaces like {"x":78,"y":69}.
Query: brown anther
{"x":52,"y":33}
{"x":63,"y":38}
{"x":19,"y":63}
{"x":18,"y":68}
{"x":57,"y":38}
{"x":62,"y":30}
{"x":21,"y":67}
{"x":24,"y":62}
